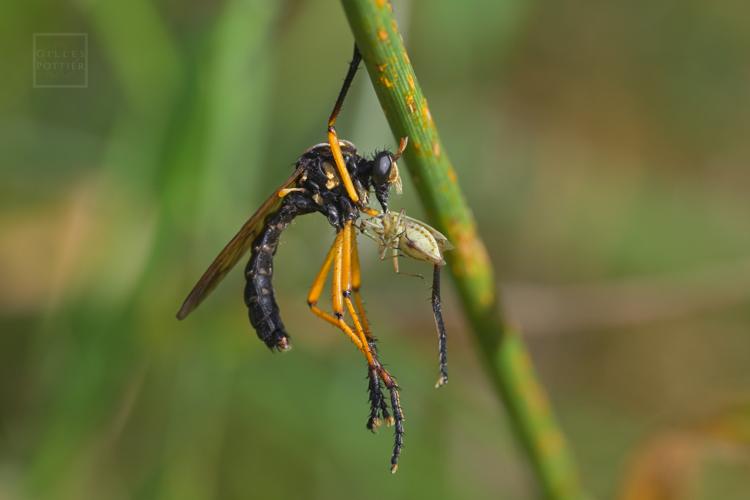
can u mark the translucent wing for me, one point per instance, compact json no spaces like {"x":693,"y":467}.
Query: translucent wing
{"x":439,"y":237}
{"x":233,"y":251}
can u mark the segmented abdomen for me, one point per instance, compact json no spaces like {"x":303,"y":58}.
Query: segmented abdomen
{"x":259,"y":295}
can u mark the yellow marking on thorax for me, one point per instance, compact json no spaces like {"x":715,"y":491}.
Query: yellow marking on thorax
{"x":331,"y":175}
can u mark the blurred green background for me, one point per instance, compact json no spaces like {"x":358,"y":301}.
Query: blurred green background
{"x":604,"y":149}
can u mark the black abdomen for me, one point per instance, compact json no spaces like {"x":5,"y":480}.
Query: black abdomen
{"x":259,"y":295}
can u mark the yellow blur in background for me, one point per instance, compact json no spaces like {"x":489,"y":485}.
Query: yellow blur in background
{"x":602,"y":145}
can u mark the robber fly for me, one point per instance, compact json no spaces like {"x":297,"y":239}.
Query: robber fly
{"x":400,"y":234}
{"x":313,"y":187}
{"x":332,"y":179}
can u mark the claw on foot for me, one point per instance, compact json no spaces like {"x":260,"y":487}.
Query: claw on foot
{"x":373,"y":424}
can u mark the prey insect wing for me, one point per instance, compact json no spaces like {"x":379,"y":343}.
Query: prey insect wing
{"x":440,"y":238}
{"x":234,"y":250}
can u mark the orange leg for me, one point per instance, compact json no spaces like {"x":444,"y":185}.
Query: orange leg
{"x":345,"y":261}
{"x":340,"y":255}
{"x":377,"y":403}
{"x":333,"y":139}
{"x":317,"y":288}
{"x":342,"y":290}
{"x":346,"y":294}
{"x":338,"y":158}
{"x":356,"y":285}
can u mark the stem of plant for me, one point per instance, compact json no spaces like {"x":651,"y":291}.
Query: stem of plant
{"x":501,"y":348}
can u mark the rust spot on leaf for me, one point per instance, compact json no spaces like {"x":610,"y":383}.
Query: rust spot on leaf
{"x":552,"y":442}
{"x":386,"y":82}
{"x":411,"y":104}
{"x":436,"y":149}
{"x":471,"y":259}
{"x":410,"y":80}
{"x":452,"y":175}
{"x":426,"y":113}
{"x":382,"y":35}
{"x":382,"y":67}
{"x":535,"y":397}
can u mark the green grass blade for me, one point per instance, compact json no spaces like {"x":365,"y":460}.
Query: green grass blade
{"x":501,"y":348}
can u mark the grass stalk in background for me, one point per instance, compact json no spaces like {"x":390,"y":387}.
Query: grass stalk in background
{"x":501,"y":348}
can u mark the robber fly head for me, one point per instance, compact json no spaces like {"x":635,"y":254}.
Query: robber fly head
{"x":384,"y":173}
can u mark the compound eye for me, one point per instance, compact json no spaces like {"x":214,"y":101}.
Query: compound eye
{"x":382,"y":170}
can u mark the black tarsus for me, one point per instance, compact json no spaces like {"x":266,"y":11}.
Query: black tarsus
{"x":372,"y":341}
{"x":437,"y":311}
{"x":353,"y":66}
{"x":379,"y":408}
{"x":398,"y":431}
{"x":375,"y":397}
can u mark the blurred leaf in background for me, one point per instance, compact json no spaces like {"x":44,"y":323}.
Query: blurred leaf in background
{"x":602,"y":145}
